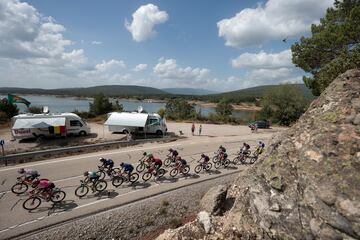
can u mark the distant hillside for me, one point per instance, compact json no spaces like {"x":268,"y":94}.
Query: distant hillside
{"x":188,"y":91}
{"x":250,"y":94}
{"x":109,"y":90}
{"x":127,"y":91}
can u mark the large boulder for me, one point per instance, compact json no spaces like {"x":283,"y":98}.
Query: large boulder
{"x":306,"y":184}
{"x":214,"y":199}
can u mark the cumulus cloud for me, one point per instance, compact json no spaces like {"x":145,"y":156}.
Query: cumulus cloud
{"x":263,"y":60}
{"x":24,"y":33}
{"x":144,"y":20}
{"x":275,"y":20}
{"x":168,"y":68}
{"x":140,"y":67}
{"x":109,"y":65}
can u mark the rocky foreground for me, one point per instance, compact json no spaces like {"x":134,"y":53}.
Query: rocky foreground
{"x":305,"y":186}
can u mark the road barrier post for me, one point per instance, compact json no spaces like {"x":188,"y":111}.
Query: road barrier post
{"x":2,"y":143}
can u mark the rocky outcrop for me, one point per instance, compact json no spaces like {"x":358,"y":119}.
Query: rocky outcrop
{"x":307,"y":183}
{"x":213,"y":200}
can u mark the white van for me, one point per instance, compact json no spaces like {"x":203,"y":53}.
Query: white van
{"x":135,"y":122}
{"x":43,"y":125}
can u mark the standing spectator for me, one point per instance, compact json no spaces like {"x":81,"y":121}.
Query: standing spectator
{"x":193,"y":129}
{"x":200,"y":128}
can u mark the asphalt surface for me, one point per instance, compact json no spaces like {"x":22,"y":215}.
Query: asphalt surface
{"x":67,"y":172}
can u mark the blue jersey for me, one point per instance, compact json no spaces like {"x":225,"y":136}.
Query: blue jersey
{"x":127,"y":167}
{"x":109,"y":163}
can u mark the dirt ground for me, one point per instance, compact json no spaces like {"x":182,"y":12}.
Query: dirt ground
{"x":100,"y":133}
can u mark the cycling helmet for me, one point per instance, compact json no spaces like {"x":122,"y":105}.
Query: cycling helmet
{"x":171,"y":150}
{"x":102,"y":159}
{"x":220,"y":146}
{"x":21,"y":171}
{"x":144,"y":153}
{"x":260,"y":142}
{"x":121,"y":164}
{"x":86,"y":173}
{"x":244,"y":144}
{"x":202,"y":155}
{"x":150,"y":155}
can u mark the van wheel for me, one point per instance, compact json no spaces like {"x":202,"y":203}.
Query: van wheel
{"x":82,"y":133}
{"x":159,"y":132}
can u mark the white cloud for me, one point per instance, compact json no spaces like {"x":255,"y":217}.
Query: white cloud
{"x":110,"y":65}
{"x":168,"y":68}
{"x":96,"y":43}
{"x":275,"y":20}
{"x":144,"y":20}
{"x":24,"y":33}
{"x":140,"y":67}
{"x":263,"y":60}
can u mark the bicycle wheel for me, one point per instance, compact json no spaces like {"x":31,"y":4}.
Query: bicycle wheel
{"x":253,"y":159}
{"x":117,"y":181}
{"x":208,"y":166}
{"x":100,"y":185}
{"x":160,"y":172}
{"x":140,"y":167}
{"x":19,"y":188}
{"x":217,"y":165}
{"x":173,"y":172}
{"x":101,"y":174}
{"x":134,"y":177}
{"x":185,"y":170}
{"x":32,"y":203}
{"x":147,"y":176}
{"x":226,"y":163}
{"x":198,"y":168}
{"x":81,"y":191}
{"x":57,"y":196}
{"x":167,"y":162}
{"x":236,"y":160}
{"x":215,"y":159}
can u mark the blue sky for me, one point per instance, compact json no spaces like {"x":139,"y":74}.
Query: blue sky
{"x":216,"y":45}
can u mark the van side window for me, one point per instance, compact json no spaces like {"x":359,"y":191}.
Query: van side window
{"x":75,"y":123}
{"x":153,"y":121}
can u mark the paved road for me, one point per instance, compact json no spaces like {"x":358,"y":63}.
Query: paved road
{"x":67,"y":172}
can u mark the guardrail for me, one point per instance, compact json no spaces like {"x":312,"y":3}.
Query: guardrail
{"x":39,"y":155}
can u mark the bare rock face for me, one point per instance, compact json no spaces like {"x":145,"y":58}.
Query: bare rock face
{"x":213,"y":200}
{"x":307,"y":183}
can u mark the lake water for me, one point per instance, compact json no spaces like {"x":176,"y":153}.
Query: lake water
{"x":69,"y":104}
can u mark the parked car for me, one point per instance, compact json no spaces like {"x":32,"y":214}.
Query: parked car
{"x":262,"y":124}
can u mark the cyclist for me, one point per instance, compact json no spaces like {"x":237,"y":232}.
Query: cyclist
{"x":173,"y":153}
{"x":180,"y":163}
{"x":29,"y":174}
{"x":128,"y":168}
{"x":245,"y":149}
{"x":43,"y":187}
{"x":156,"y":162}
{"x":107,"y":163}
{"x":260,"y":148}
{"x":92,"y":176}
{"x":205,"y":158}
{"x":222,"y":153}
